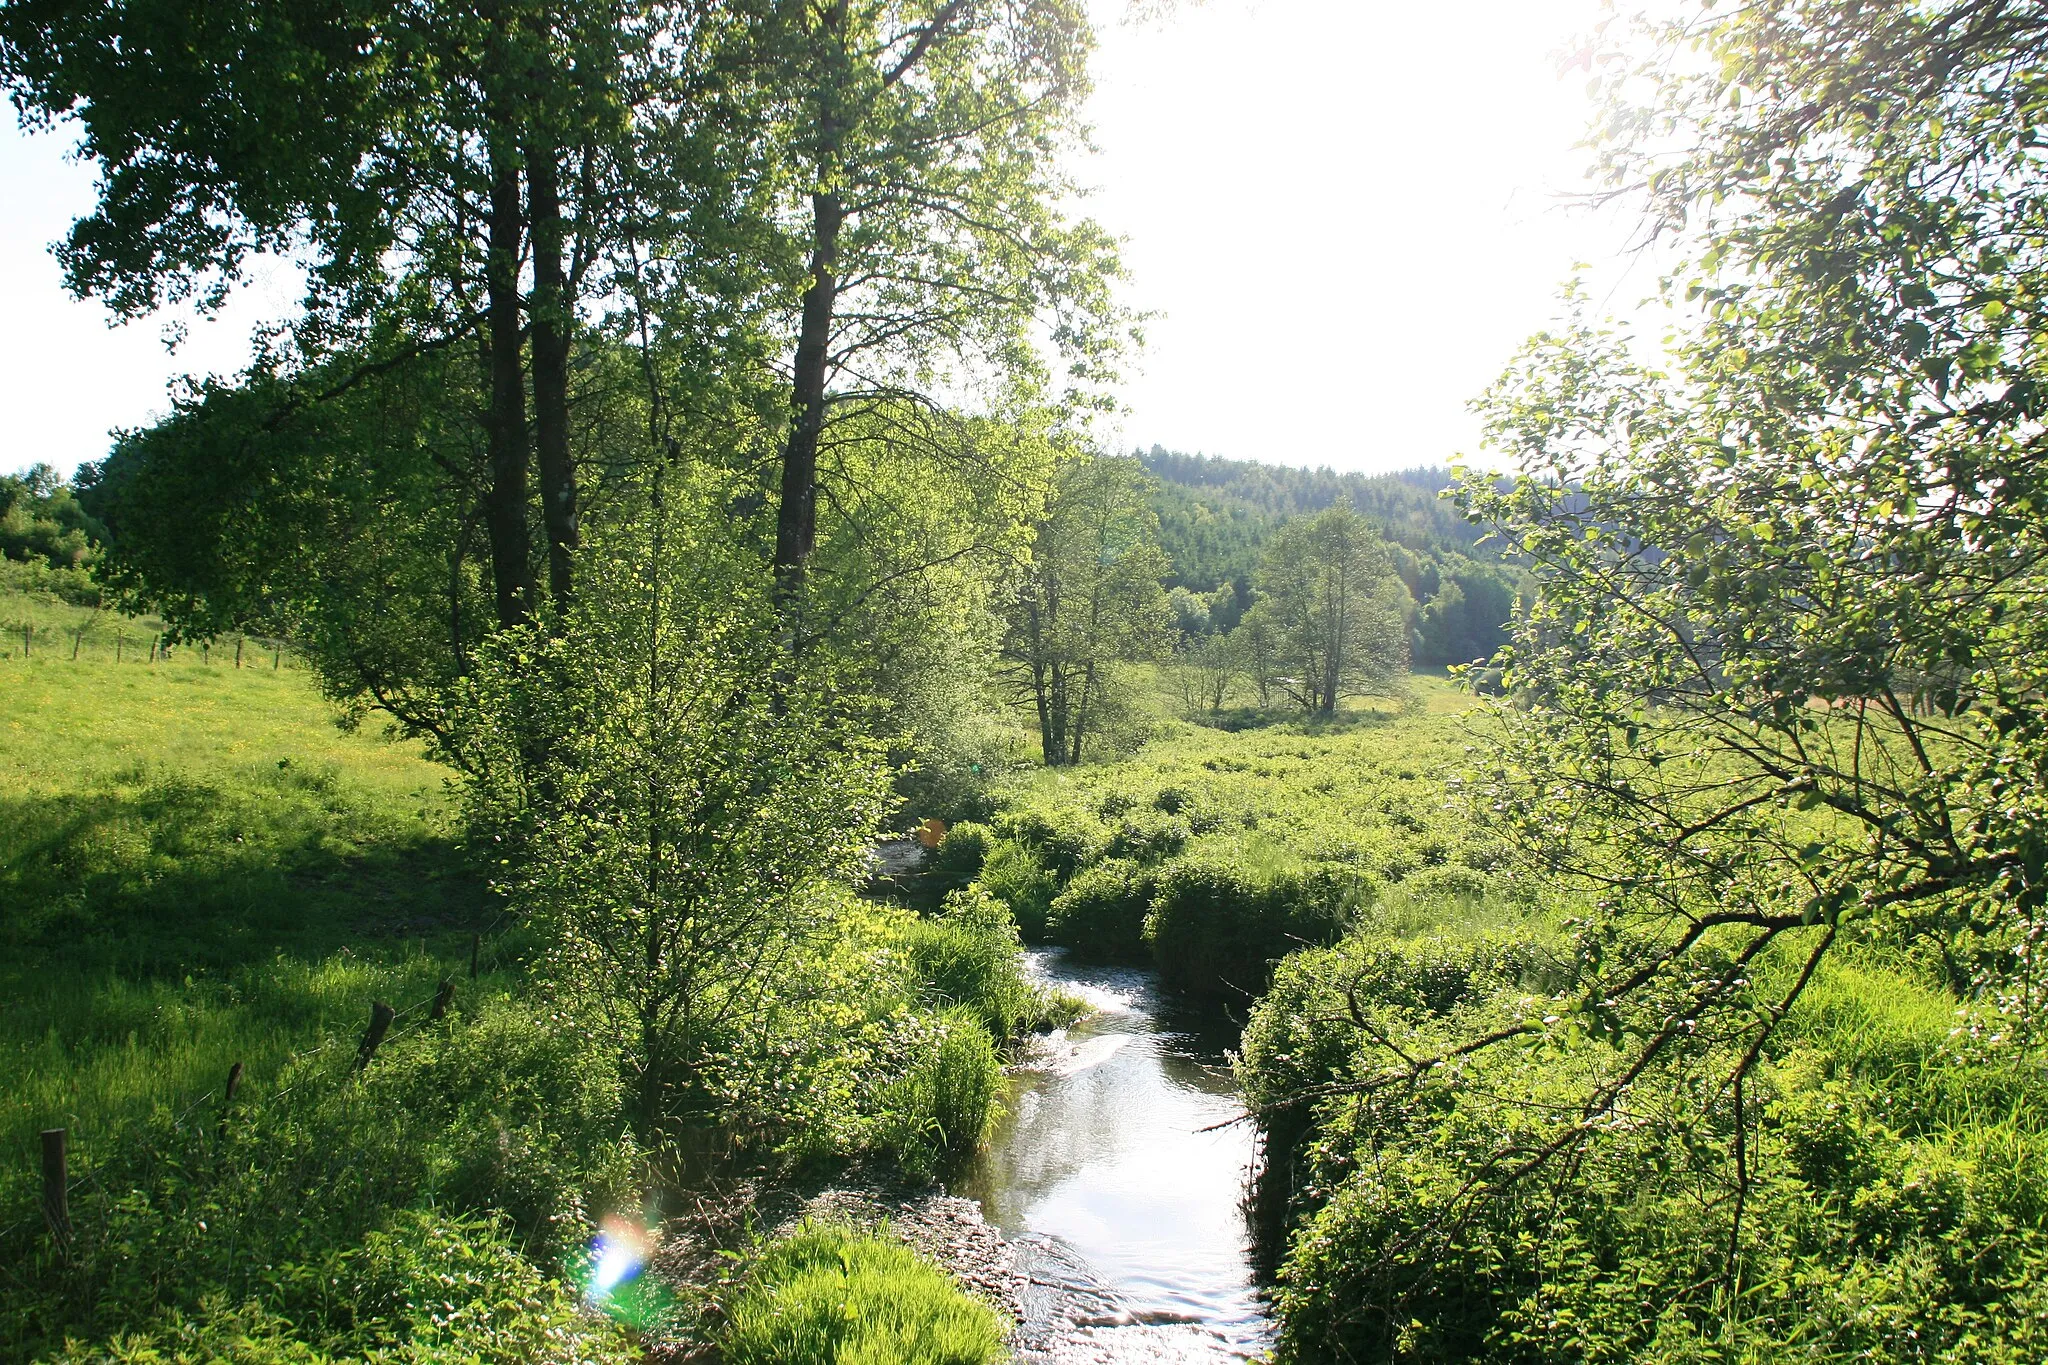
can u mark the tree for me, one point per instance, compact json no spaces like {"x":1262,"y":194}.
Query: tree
{"x":1089,"y":598}
{"x":919,"y":218}
{"x":1339,"y":612}
{"x":41,"y":520}
{"x":1204,"y":668}
{"x":679,"y":822}
{"x":1257,"y":641}
{"x":454,"y":175}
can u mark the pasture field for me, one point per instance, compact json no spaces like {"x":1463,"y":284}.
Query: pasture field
{"x":198,"y":868}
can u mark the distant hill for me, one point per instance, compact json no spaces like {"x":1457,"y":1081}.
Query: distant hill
{"x":1215,"y":516}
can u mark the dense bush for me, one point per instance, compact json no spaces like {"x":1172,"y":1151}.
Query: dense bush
{"x":830,"y":1296}
{"x":1218,"y":925}
{"x":1014,"y":875}
{"x":1894,"y":1203}
{"x":1101,"y":913}
{"x":959,"y":857}
{"x":1062,"y":840}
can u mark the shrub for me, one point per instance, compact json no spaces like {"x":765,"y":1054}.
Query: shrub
{"x":969,"y":957}
{"x":1147,"y":836}
{"x":829,"y":1296}
{"x":959,"y":857}
{"x":1216,"y":925}
{"x":1895,"y":1204}
{"x":1063,"y":840}
{"x":1101,"y":914}
{"x":1014,"y":875}
{"x":942,"y":1108}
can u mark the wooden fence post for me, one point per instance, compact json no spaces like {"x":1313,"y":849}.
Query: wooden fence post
{"x":206,"y":651}
{"x":381,"y":1016}
{"x":227,"y":1098}
{"x":28,"y":638}
{"x":56,"y":1183}
{"x":77,"y":639}
{"x":443,"y":997}
{"x":475,"y":942}
{"x":156,"y":647}
{"x":117,"y":646}
{"x":276,"y":655}
{"x":238,"y":651}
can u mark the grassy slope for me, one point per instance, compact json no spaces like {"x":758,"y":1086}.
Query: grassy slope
{"x":197,"y":868}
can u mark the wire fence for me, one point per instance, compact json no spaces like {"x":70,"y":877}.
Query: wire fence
{"x":387,"y":1026}
{"x":122,"y":640}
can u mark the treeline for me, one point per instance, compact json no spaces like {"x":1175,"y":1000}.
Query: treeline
{"x":44,"y":525}
{"x":1217,"y":516}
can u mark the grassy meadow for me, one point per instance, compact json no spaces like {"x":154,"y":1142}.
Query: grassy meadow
{"x":200,"y":868}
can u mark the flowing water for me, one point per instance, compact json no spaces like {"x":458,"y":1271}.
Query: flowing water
{"x":1112,"y":1175}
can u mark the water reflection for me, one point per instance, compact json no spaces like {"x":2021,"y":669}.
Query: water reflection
{"x":1112,"y":1147}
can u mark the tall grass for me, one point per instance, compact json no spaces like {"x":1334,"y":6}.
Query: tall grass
{"x":830,"y":1296}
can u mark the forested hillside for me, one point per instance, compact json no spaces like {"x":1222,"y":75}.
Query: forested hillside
{"x":1216,"y":517}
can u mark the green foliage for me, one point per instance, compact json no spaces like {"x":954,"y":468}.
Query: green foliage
{"x":959,"y":857}
{"x":829,"y":1296}
{"x":386,"y":1211}
{"x":1014,"y":875}
{"x":941,"y":1108}
{"x":677,"y":807}
{"x":1339,"y":615}
{"x":1270,"y":839}
{"x":1217,"y":518}
{"x":42,"y":522}
{"x":1090,"y":598}
{"x":1217,"y":925}
{"x":1101,"y":912}
{"x":1771,"y":710}
{"x":1892,"y":1206}
{"x":969,"y":958}
{"x":1215,"y":515}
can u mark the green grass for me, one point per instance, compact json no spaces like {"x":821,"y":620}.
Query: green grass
{"x":830,"y":1296}
{"x":197,"y":867}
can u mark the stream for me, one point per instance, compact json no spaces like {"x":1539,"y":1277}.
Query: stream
{"x":1126,"y":1211}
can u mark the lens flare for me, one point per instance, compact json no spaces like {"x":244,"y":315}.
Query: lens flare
{"x":617,"y":1256}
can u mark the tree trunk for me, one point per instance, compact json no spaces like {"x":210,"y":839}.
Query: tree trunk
{"x":796,"y":519}
{"x":1078,"y":726}
{"x":553,"y":325}
{"x":1052,"y":731}
{"x":505,"y":504}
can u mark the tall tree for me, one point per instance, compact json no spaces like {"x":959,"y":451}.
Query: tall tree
{"x":1090,"y":597}
{"x":1776,"y":698}
{"x":1339,"y":610}
{"x":922,"y":222}
{"x":412,"y":154}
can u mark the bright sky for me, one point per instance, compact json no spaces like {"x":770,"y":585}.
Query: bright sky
{"x":1345,"y":211}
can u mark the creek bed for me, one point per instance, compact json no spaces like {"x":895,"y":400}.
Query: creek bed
{"x":1123,"y":1196}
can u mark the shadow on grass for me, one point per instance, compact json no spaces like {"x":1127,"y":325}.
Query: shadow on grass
{"x":165,"y":876}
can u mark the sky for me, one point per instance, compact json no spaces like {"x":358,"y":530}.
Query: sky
{"x":1346,"y":216}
